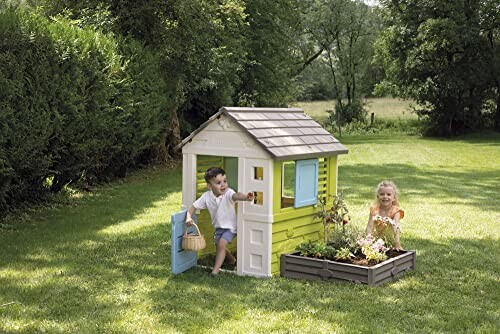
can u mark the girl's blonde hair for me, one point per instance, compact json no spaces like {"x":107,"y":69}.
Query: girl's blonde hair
{"x":387,"y":183}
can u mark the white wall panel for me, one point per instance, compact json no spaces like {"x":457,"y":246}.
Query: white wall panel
{"x":254,"y":249}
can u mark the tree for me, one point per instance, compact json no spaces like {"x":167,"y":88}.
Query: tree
{"x":200,"y":44}
{"x":436,"y":53}
{"x":344,"y":32}
{"x":270,"y":38}
{"x":490,"y":29}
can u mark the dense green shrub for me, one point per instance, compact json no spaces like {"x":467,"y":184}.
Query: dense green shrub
{"x":74,"y":103}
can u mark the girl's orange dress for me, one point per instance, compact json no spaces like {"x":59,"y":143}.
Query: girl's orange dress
{"x":380,"y":226}
{"x":374,"y":210}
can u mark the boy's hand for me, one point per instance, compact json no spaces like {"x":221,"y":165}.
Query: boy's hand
{"x":189,"y":221}
{"x":250,"y":196}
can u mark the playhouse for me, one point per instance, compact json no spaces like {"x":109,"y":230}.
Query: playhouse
{"x":286,"y":158}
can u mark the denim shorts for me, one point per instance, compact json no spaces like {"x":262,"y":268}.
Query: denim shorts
{"x":224,"y":233}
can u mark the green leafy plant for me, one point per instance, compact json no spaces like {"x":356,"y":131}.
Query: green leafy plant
{"x":345,"y":237}
{"x":340,"y":239}
{"x":316,"y":249}
{"x":336,"y":215}
{"x":344,"y":254}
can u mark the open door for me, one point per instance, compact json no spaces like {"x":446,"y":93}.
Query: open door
{"x":181,"y":260}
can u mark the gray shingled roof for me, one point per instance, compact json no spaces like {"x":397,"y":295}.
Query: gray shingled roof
{"x":286,"y":133}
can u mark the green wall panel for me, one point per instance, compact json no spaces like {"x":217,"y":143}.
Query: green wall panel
{"x":292,"y":226}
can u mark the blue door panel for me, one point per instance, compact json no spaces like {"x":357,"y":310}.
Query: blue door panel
{"x":181,"y":260}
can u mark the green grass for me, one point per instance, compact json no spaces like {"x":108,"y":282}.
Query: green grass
{"x":102,"y":264}
{"x":383,"y":108}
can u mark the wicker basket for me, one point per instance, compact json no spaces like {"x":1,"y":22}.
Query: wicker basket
{"x":193,"y":242}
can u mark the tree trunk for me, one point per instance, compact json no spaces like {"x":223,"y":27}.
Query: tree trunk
{"x":497,"y":113}
{"x":349,"y":93}
{"x":173,"y":137}
{"x":337,"y":95}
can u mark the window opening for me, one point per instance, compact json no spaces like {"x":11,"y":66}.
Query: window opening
{"x":258,"y":198}
{"x":258,"y":173}
{"x":288,"y":184}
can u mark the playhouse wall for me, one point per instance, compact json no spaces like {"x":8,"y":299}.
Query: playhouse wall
{"x":292,"y":226}
{"x":255,"y":218}
{"x":251,"y":216}
{"x":225,"y":138}
{"x":221,"y":138}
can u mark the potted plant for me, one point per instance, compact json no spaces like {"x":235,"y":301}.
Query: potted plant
{"x":345,"y":254}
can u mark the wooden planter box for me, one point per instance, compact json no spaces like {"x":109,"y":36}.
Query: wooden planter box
{"x":295,"y":266}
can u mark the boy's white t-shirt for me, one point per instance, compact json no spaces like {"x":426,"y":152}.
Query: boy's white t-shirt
{"x":221,"y":208}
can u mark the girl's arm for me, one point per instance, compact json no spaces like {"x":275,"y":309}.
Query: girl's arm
{"x":397,"y":232}
{"x":369,"y":226}
{"x":242,"y":197}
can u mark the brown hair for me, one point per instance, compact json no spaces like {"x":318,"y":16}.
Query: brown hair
{"x":212,"y":172}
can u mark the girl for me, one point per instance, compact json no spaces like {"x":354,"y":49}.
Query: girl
{"x":384,"y":217}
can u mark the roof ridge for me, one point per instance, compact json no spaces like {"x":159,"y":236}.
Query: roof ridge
{"x":261,"y":109}
{"x":300,"y":135}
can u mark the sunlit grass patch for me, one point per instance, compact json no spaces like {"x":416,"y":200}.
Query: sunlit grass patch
{"x":385,"y":108}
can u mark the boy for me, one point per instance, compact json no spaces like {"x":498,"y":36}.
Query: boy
{"x":219,"y":200}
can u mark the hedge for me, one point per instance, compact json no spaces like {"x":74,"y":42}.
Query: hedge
{"x":75,"y":103}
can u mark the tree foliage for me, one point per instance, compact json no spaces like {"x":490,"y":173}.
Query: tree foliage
{"x":74,"y":103}
{"x":107,"y":85}
{"x":344,"y":31}
{"x":100,"y":84}
{"x":229,"y":52}
{"x":270,"y":38}
{"x":444,"y":55}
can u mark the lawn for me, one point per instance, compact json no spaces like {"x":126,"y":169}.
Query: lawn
{"x":383,"y":108}
{"x":101,"y":263}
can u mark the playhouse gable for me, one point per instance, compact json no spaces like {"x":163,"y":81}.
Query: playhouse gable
{"x":222,"y":136}
{"x":283,"y":133}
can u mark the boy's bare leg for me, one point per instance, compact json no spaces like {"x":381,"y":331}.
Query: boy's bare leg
{"x":230,"y":258}
{"x":221,"y":254}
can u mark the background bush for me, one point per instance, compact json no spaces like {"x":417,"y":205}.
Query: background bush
{"x":75,"y":103}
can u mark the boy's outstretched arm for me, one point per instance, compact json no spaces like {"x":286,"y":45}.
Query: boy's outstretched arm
{"x":243,"y":197}
{"x":189,"y":215}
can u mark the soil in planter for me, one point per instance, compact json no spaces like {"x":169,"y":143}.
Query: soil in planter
{"x":360,"y":260}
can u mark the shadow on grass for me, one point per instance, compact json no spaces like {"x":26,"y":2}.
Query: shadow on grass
{"x":83,"y":274}
{"x":74,"y":265}
{"x":476,"y":188}
{"x":448,"y":291}
{"x":97,"y":282}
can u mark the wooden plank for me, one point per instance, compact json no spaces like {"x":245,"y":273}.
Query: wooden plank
{"x":295,"y":266}
{"x":348,"y":268}
{"x":306,"y":261}
{"x":301,"y":268}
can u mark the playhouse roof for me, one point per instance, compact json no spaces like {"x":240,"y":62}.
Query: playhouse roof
{"x":286,"y":133}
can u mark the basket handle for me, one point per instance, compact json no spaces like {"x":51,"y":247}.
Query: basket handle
{"x":197,"y":229}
